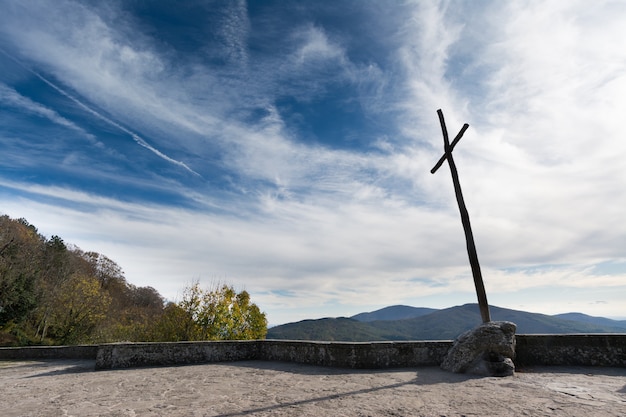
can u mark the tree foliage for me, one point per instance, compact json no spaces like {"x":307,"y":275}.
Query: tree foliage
{"x":220,"y":313}
{"x":54,"y":293}
{"x":79,"y":308}
{"x":21,"y":252}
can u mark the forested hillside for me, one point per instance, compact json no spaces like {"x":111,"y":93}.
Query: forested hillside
{"x":393,"y":313}
{"x":55,"y":293}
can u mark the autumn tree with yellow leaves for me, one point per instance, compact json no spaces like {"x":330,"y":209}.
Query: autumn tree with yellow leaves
{"x":219,"y":313}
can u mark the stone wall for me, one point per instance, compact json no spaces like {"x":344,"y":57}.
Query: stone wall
{"x":50,"y":352}
{"x":337,"y":354}
{"x":584,"y":350}
{"x":571,"y":349}
{"x":369,"y":355}
{"x":130,"y":355}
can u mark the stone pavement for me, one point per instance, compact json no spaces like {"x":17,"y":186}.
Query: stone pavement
{"x":257,"y":388}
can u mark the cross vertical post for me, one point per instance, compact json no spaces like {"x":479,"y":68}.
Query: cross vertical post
{"x":469,"y":237}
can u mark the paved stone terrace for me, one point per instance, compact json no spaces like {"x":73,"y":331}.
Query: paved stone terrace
{"x":265,"y":388}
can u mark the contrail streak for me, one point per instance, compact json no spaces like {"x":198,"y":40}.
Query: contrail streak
{"x":133,"y":135}
{"x":138,"y":139}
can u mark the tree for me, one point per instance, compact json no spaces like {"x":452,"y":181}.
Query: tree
{"x":173,"y":325}
{"x":220,"y":314}
{"x":133,"y":316}
{"x":80,"y":306}
{"x":21,"y":249}
{"x":147,"y":298}
{"x":57,"y":267}
{"x":104,"y":269}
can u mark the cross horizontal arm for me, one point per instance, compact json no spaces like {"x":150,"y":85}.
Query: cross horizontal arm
{"x":452,"y":145}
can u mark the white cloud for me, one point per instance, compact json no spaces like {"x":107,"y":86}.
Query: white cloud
{"x":12,"y":98}
{"x":140,"y":141}
{"x":355,"y":254}
{"x":315,"y":47}
{"x":122,"y":75}
{"x":427,"y":37}
{"x":551,"y":132}
{"x":138,"y":86}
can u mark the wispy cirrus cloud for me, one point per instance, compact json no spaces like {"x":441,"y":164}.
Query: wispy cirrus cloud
{"x":133,"y":135}
{"x":12,"y":98}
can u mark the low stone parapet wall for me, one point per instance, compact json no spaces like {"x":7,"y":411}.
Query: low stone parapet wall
{"x":571,"y":350}
{"x":369,"y":355}
{"x":337,"y":354}
{"x":50,"y":352}
{"x":576,"y":349}
{"x":131,"y":355}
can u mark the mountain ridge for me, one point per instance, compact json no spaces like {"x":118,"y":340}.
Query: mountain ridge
{"x":592,"y":319}
{"x":396,"y":312}
{"x":443,"y":324}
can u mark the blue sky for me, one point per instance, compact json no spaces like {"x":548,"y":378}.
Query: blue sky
{"x":285,"y":147}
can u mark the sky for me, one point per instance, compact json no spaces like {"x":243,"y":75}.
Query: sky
{"x":285,"y":147}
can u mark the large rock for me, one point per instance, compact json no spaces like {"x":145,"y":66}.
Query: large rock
{"x":487,"y":350}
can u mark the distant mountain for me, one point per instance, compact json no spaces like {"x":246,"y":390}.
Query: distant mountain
{"x":329,"y":329}
{"x":443,"y":324}
{"x":601,"y":321}
{"x":394,"y":313}
{"x":449,"y":323}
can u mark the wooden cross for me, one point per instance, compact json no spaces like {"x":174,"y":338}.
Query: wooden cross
{"x":469,"y":237}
